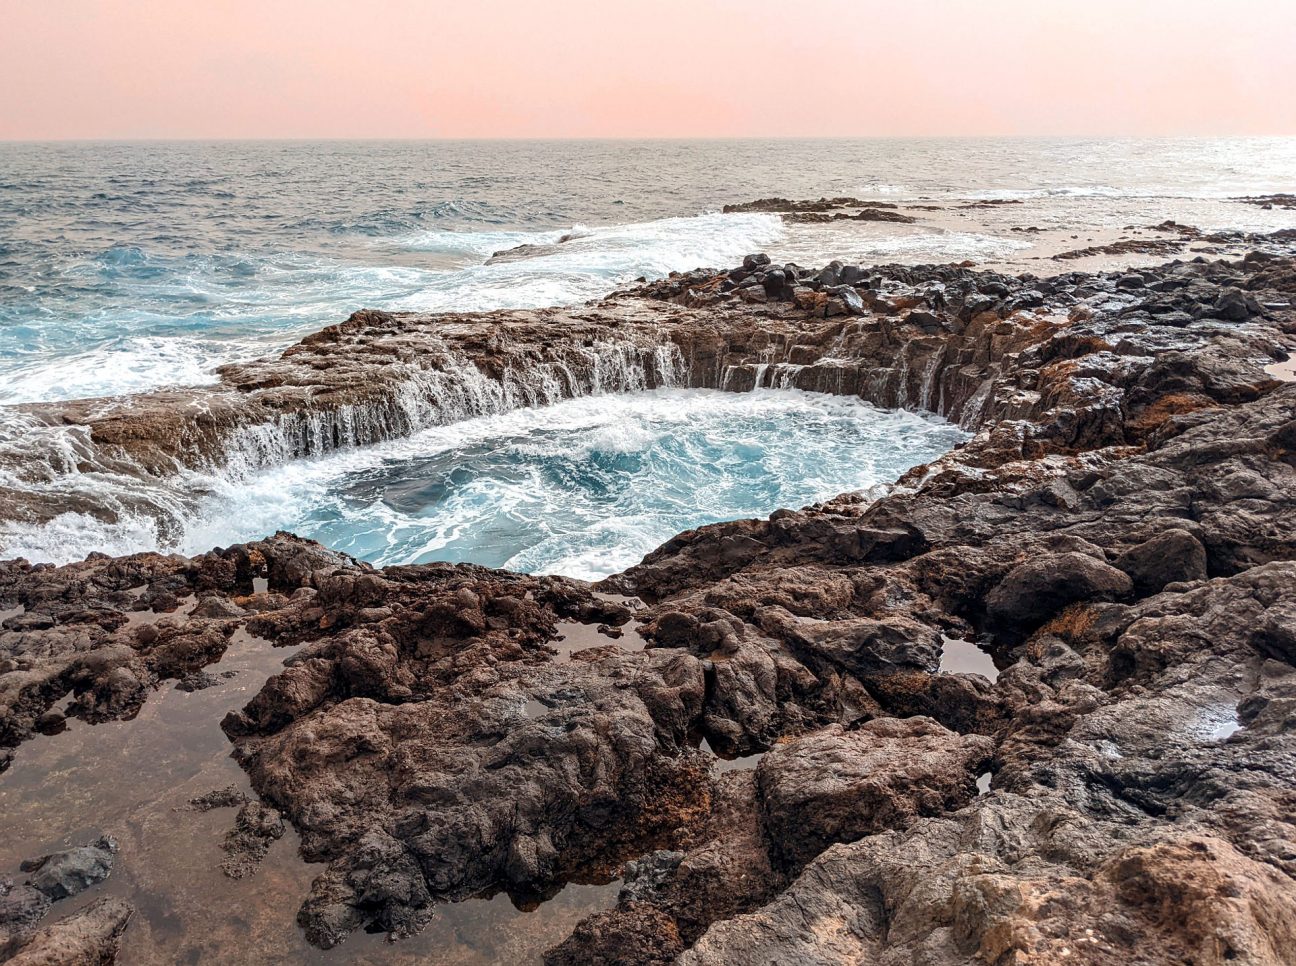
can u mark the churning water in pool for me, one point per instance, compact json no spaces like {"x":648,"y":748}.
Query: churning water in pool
{"x":584,"y":488}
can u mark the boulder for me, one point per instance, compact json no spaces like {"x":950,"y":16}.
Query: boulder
{"x":1036,"y":590}
{"x":70,"y":871}
{"x":838,"y":786}
{"x":1169,"y":557}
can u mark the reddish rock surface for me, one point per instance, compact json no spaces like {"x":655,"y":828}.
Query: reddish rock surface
{"x":1120,"y":535}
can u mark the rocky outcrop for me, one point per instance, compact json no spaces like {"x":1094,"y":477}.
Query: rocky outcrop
{"x":825,"y":210}
{"x":86,"y":936}
{"x":1120,"y":535}
{"x":837,"y":786}
{"x":89,"y":937}
{"x":1285,"y":201}
{"x":98,"y":637}
{"x":935,"y":338}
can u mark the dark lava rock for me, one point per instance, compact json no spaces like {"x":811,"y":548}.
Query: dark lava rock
{"x":838,"y":786}
{"x":1037,"y":589}
{"x":256,"y":827}
{"x":752,"y":263}
{"x":202,"y":680}
{"x":1169,"y":557}
{"x":1119,"y":534}
{"x":830,"y":275}
{"x":636,"y":934}
{"x":21,"y":908}
{"x":218,"y":607}
{"x":228,"y":797}
{"x":774,"y":282}
{"x":70,"y":871}
{"x":1235,"y":306}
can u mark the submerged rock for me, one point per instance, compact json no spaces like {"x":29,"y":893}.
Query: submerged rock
{"x":88,"y":937}
{"x":21,"y":908}
{"x":71,"y":871}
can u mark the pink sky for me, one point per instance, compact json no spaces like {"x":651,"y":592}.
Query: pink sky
{"x":612,"y":68}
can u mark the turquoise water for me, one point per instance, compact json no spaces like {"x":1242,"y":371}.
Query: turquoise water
{"x":125,"y":267}
{"x":583,"y":488}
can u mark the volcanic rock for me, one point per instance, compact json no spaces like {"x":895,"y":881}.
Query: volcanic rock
{"x":70,"y":871}
{"x":88,"y":937}
{"x":1119,"y":534}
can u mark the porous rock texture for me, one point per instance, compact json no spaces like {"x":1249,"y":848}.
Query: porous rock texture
{"x":1120,"y":535}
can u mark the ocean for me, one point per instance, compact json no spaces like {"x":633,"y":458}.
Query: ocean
{"x":127,"y":266}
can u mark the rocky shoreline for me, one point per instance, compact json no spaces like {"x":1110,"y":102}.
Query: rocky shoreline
{"x":1120,"y":536}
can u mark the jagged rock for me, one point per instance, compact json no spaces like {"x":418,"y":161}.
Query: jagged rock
{"x":1172,"y":556}
{"x":837,"y":786}
{"x":1039,"y":588}
{"x":218,"y":607}
{"x":1120,"y":535}
{"x":21,"y":908}
{"x":256,"y":827}
{"x":88,"y":937}
{"x":639,"y":935}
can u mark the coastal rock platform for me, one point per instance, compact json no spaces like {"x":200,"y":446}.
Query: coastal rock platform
{"x":751,"y":728}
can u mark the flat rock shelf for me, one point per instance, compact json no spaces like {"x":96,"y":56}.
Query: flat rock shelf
{"x":756,"y":745}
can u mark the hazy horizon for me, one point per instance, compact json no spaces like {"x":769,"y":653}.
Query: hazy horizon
{"x":88,"y":70}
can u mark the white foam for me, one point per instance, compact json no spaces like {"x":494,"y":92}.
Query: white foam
{"x":125,"y":366}
{"x":589,"y":265}
{"x":287,"y":294}
{"x":678,"y":479}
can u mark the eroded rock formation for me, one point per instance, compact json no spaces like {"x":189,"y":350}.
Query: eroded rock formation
{"x":1120,"y":536}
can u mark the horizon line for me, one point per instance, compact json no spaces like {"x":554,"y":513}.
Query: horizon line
{"x":163,"y":139}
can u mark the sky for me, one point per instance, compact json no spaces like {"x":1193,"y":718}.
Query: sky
{"x":624,"y":68}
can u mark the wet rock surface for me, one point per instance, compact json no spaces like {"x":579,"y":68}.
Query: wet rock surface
{"x":88,"y":937}
{"x":1120,"y":535}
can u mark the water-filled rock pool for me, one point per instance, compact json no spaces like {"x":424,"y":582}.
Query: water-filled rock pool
{"x":584,"y":488}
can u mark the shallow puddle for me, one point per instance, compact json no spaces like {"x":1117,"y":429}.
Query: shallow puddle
{"x":574,"y":636}
{"x":134,"y":780}
{"x":967,"y":657}
{"x":725,"y":763}
{"x":138,"y":618}
{"x":1285,"y":370}
{"x":1216,"y":723}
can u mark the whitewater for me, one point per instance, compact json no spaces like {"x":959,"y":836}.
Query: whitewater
{"x":124,"y":267}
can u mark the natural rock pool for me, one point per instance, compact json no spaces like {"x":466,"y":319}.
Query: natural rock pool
{"x":584,"y":488}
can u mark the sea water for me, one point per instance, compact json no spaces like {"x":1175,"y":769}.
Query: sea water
{"x":127,"y":266}
{"x":583,"y":488}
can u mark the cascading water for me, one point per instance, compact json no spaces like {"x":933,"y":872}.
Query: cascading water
{"x":451,"y":390}
{"x":98,"y":500}
{"x":584,"y":487}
